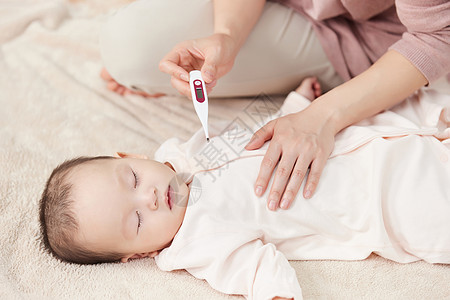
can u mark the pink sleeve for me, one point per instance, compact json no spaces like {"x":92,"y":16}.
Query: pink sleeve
{"x":426,"y":43}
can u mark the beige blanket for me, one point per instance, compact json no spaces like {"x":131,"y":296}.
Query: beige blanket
{"x":54,"y":106}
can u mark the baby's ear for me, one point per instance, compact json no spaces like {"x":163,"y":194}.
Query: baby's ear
{"x":130,"y":155}
{"x":154,"y":253}
{"x":124,"y":259}
{"x":170,"y":166}
{"x":139,"y":255}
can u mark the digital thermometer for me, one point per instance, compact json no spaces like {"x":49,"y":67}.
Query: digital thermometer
{"x":200,"y":99}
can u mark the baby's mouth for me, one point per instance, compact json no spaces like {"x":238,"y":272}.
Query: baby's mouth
{"x":169,"y":198}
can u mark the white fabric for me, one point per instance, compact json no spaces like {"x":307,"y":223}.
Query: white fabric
{"x":382,"y":178}
{"x":54,"y":106}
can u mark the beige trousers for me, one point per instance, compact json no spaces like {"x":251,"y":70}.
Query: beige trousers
{"x":281,"y":50}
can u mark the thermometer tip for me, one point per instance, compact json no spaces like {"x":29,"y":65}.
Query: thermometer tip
{"x":207,"y":139}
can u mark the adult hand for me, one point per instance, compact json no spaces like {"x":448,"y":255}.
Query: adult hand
{"x":298,"y":141}
{"x":213,"y":55}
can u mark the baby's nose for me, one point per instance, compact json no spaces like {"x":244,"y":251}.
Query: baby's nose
{"x":151,"y":198}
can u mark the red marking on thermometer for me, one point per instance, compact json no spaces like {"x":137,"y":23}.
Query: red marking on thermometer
{"x":199,"y":98}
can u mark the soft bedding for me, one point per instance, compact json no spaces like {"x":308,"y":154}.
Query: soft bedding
{"x":54,"y":106}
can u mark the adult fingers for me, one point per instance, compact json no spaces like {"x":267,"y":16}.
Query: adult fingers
{"x":264,"y":134}
{"x":209,"y":68}
{"x":314,"y":175}
{"x":281,"y":178}
{"x":210,"y":86}
{"x":170,"y":64}
{"x":181,"y":86}
{"x":295,"y":180}
{"x":268,"y":164}
{"x":184,"y":88}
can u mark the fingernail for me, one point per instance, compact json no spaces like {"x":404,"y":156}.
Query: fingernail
{"x":308,"y":194}
{"x":184,"y":77}
{"x":251,"y":141}
{"x":258,"y":190}
{"x":272,"y":205}
{"x":284,"y":203}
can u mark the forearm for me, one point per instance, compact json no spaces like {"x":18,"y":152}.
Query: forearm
{"x":237,"y":18}
{"x":387,"y":82}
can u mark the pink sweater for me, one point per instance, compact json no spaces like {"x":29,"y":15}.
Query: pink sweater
{"x":355,"y":33}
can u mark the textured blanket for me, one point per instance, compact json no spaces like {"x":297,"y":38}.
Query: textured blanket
{"x":54,"y":106}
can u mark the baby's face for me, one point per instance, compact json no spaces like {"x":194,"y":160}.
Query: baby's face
{"x":128,"y":205}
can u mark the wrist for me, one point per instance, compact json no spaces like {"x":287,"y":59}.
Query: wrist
{"x":227,"y":36}
{"x":386,"y":83}
{"x":227,"y":42}
{"x":330,"y":116}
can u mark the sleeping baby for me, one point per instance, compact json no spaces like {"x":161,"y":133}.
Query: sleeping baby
{"x":384,"y":190}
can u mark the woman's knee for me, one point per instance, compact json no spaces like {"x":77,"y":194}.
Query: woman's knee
{"x":137,"y":36}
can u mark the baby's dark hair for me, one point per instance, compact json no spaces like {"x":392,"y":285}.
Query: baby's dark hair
{"x":57,"y":221}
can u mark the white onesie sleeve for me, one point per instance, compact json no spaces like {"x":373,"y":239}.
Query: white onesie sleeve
{"x":255,"y":270}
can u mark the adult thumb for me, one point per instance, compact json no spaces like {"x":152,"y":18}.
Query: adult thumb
{"x":258,"y":139}
{"x":209,"y":71}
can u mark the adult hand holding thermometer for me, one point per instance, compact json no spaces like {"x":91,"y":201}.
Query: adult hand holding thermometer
{"x":200,"y":98}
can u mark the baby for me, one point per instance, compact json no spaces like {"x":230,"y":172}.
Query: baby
{"x":199,"y":214}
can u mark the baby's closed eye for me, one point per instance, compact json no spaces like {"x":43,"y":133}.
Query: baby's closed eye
{"x":136,"y":178}
{"x":139,"y":220}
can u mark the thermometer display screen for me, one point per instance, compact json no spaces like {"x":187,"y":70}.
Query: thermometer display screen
{"x":199,"y":93}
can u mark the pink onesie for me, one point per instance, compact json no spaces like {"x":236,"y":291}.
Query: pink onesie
{"x":384,"y":190}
